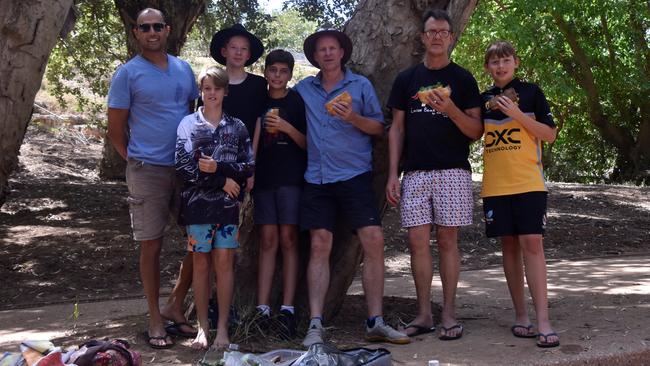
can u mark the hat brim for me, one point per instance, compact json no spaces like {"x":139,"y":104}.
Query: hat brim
{"x":309,"y":46}
{"x":221,"y":37}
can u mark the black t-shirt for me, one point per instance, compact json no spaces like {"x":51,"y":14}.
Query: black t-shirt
{"x":247,"y":100}
{"x":531,"y":100}
{"x":433,"y":141}
{"x":280,"y":161}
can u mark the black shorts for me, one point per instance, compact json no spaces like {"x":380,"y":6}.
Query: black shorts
{"x":516,"y":214}
{"x":352,"y":198}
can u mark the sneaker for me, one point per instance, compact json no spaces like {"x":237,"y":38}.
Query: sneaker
{"x":287,"y":326}
{"x":314,"y":335}
{"x":382,"y":332}
{"x":262,"y":321}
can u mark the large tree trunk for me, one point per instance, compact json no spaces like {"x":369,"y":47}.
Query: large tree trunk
{"x":180,"y":15}
{"x":386,"y":40}
{"x":30,"y":30}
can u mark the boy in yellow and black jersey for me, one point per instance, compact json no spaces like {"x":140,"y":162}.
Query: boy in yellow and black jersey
{"x":516,"y":119}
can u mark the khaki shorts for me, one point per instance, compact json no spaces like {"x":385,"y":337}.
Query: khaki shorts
{"x":154,"y":195}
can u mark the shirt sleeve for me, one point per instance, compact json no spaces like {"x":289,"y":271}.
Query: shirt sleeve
{"x":542,"y":109}
{"x":371,"y":107}
{"x":397,"y":95}
{"x":245,"y":164}
{"x":119,"y":93}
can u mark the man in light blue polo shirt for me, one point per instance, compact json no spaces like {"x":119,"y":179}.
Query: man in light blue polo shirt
{"x":148,"y":97}
{"x":339,"y":177}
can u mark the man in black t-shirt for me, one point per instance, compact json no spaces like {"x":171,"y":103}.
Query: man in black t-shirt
{"x":435,"y":129}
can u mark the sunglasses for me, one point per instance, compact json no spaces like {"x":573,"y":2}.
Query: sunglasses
{"x":146,"y":27}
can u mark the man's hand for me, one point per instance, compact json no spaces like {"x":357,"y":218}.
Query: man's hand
{"x":343,"y":111}
{"x":231,"y":188}
{"x":439,"y":101}
{"x":393,"y":190}
{"x":207,"y":164}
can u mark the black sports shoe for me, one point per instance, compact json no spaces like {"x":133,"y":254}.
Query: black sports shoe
{"x":287,"y":326}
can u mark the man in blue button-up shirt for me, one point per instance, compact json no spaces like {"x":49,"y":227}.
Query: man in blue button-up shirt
{"x":339,"y":177}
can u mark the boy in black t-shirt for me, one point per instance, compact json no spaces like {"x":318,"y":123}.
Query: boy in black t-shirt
{"x":281,"y":159}
{"x":236,"y":48}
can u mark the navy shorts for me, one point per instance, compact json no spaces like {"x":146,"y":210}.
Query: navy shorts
{"x":516,"y":214}
{"x":352,"y":198}
{"x":277,"y":206}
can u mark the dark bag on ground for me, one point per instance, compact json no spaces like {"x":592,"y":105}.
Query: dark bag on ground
{"x":115,"y":352}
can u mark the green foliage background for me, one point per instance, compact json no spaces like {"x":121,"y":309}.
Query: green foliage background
{"x":613,"y":34}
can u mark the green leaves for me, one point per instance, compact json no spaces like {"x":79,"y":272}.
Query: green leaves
{"x":586,"y":56}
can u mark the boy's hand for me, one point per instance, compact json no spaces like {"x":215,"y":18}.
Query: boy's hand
{"x":393,"y":190}
{"x":231,"y":188}
{"x":207,"y":164}
{"x":439,"y":101}
{"x":277,"y":123}
{"x":508,"y":107}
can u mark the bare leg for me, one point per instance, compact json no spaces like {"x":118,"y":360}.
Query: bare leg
{"x":289,"y":243}
{"x":267,"y":255}
{"x":318,"y":270}
{"x":447,"y":237}
{"x":201,"y":287}
{"x":173,"y":309}
{"x":422,"y":269}
{"x":372,"y":241}
{"x":223,"y":260}
{"x":513,"y":268}
{"x":150,"y":276}
{"x":533,"y":251}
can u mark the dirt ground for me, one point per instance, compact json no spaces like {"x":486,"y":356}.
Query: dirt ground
{"x":65,"y":235}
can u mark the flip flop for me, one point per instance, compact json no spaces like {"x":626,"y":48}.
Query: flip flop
{"x":544,"y":343}
{"x":445,"y":337}
{"x":419,"y":329}
{"x":156,"y":346}
{"x":175,"y":329}
{"x":527,"y":328}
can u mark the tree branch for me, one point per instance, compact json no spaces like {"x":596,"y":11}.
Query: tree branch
{"x":583,"y":75}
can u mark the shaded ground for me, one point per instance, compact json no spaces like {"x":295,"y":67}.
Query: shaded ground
{"x":65,"y":236}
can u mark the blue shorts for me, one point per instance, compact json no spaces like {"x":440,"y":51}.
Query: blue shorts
{"x":203,"y":238}
{"x":277,"y":206}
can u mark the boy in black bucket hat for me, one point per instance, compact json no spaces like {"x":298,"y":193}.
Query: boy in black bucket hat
{"x":236,"y":48}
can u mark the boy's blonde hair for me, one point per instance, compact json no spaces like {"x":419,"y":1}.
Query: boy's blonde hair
{"x":500,"y":49}
{"x":218,"y":76}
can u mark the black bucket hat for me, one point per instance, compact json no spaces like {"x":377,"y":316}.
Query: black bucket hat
{"x":309,"y":46}
{"x":220,"y":39}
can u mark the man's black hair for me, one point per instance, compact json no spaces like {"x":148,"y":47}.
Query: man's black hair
{"x":279,"y":56}
{"x":437,"y":14}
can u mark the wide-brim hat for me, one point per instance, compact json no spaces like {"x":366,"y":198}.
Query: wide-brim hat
{"x":220,"y":39}
{"x":309,"y":47}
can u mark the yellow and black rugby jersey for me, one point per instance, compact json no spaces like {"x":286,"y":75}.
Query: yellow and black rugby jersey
{"x":512,"y":157}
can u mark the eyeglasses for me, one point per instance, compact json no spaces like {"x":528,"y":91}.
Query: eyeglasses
{"x":146,"y":27}
{"x":433,"y":33}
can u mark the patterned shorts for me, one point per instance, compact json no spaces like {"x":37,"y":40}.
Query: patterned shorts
{"x":205,"y":237}
{"x":441,"y":197}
